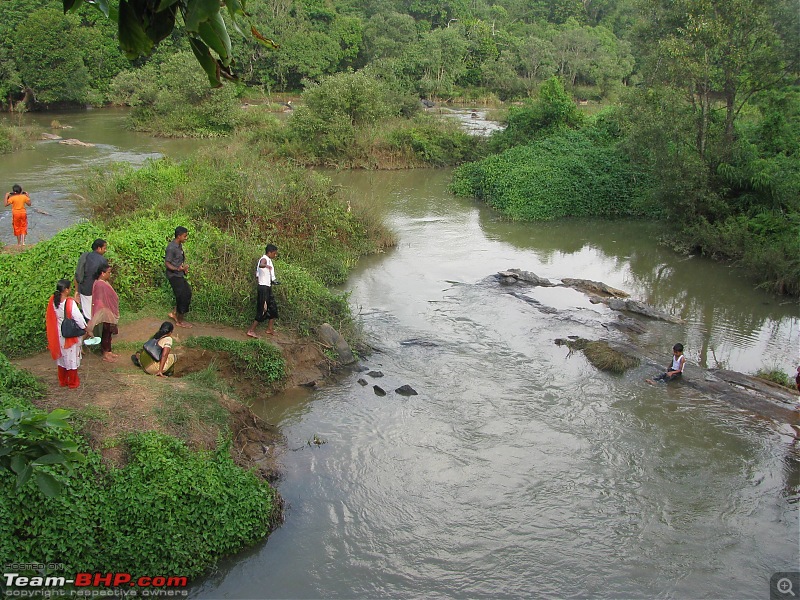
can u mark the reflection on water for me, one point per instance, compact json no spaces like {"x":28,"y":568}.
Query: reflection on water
{"x":520,"y":471}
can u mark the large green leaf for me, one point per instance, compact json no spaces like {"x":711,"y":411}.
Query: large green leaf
{"x":165,"y":4}
{"x":161,"y":24}
{"x":50,"y":459}
{"x":133,"y":39}
{"x":198,"y":11}
{"x":208,"y":62}
{"x":215,"y":35}
{"x":49,"y":485}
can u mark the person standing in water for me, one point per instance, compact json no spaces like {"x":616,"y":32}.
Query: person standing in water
{"x":17,"y":199}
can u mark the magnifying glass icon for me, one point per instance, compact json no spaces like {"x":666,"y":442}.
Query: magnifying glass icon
{"x":784,"y":586}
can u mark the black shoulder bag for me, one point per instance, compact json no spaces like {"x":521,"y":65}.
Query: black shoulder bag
{"x":69,"y":328}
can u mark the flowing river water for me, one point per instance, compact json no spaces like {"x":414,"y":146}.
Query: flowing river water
{"x":518,"y":470}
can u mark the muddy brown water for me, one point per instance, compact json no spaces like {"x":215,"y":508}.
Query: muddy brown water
{"x":517,"y":470}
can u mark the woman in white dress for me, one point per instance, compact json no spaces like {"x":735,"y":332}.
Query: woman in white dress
{"x":65,"y":351}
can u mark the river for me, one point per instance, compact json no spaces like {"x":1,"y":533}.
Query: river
{"x":519,"y":470}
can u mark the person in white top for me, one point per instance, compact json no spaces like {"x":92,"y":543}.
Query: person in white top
{"x":266,"y":307}
{"x":675,"y":370}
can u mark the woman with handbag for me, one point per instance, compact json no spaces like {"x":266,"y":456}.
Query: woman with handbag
{"x":65,"y":329}
{"x":105,"y":311}
{"x":156,"y":356}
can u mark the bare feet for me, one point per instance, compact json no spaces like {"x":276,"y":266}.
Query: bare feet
{"x":252,"y":335}
{"x":172,"y":316}
{"x":109,"y":358}
{"x":269,"y":332}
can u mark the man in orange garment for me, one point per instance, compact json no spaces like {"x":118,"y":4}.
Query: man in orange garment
{"x":19,"y":216}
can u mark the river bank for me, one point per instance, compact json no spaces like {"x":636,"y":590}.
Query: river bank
{"x":116,"y":399}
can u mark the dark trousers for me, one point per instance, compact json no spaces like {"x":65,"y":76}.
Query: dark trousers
{"x":183,"y":294}
{"x":105,"y":337}
{"x":266,"y":307}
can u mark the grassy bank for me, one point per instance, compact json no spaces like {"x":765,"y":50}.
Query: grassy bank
{"x":233,"y":204}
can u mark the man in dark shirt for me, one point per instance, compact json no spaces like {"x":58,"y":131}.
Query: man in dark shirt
{"x":175,"y":262}
{"x":89,"y":265}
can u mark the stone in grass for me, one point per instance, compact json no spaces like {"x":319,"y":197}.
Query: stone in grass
{"x":406,"y":390}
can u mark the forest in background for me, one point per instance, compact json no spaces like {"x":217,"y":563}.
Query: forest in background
{"x":698,"y":100}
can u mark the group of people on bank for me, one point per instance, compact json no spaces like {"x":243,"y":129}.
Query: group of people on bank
{"x":94,"y":306}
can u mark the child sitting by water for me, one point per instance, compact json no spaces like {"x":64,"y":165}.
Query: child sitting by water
{"x":675,"y":370}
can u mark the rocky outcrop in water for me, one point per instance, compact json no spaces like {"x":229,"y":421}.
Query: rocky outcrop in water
{"x":74,"y":142}
{"x":328,"y":336}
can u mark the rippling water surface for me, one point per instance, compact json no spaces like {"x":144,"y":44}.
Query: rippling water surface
{"x":519,"y":470}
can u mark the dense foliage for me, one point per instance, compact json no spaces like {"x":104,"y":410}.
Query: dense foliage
{"x":564,"y":175}
{"x":443,"y":50}
{"x":199,"y":505}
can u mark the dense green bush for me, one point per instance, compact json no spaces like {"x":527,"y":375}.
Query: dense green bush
{"x":255,"y":203}
{"x":198,"y":505}
{"x":553,"y":110}
{"x":15,"y":138}
{"x":563,"y":175}
{"x":434,"y":142}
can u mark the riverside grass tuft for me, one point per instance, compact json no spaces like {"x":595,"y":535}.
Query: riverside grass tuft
{"x":199,"y":505}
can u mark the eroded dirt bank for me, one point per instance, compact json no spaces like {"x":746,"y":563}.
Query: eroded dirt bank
{"x":118,"y":398}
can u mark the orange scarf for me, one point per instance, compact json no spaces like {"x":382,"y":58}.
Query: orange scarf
{"x":51,"y":325}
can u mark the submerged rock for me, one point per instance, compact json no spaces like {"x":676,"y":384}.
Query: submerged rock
{"x":379,"y":391}
{"x":375,"y":373}
{"x":635,"y":306}
{"x":74,"y":142}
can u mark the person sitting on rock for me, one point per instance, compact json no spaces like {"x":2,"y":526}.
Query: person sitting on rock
{"x":675,"y":370}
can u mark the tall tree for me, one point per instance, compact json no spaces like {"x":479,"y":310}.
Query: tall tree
{"x":711,"y":49}
{"x":49,"y":59}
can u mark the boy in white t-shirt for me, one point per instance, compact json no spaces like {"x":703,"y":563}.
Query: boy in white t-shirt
{"x":266,"y":307}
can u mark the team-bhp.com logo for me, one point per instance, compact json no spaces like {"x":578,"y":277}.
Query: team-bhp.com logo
{"x":101,"y":584}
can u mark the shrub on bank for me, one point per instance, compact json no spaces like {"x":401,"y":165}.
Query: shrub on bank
{"x":14,"y":138}
{"x":563,"y":175}
{"x":168,"y":511}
